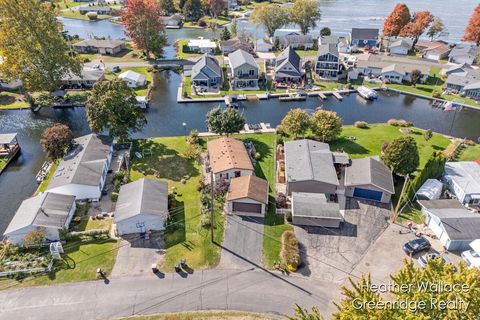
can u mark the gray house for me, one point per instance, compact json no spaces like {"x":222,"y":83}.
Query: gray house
{"x":314,"y":209}
{"x":231,"y":45}
{"x":106,"y":47}
{"x":463,"y":179}
{"x":86,"y":79}
{"x":300,"y":41}
{"x":288,"y":66}
{"x":463,"y":53}
{"x":328,"y":61}
{"x":363,"y":37}
{"x":244,"y":70}
{"x":369,"y":179}
{"x":309,"y":167}
{"x":207,"y":72}
{"x":467,"y":83}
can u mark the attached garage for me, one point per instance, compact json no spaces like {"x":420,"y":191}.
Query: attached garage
{"x":367,"y":194}
{"x":313,"y":209}
{"x":141,"y":206}
{"x":247,"y":195}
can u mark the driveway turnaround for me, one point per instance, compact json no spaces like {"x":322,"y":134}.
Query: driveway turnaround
{"x":247,"y":290}
{"x":242,"y":244}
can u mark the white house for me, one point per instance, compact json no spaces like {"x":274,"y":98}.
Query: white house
{"x":400,"y":47}
{"x":82,"y":172}
{"x":463,"y":179}
{"x":228,"y":158}
{"x":451,"y":222}
{"x":247,"y":195}
{"x":133,"y":79}
{"x":47,"y":212}
{"x":262,"y":45}
{"x":202,"y":45}
{"x":142,"y":205}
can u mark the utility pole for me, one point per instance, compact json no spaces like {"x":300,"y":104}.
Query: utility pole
{"x":212,"y":194}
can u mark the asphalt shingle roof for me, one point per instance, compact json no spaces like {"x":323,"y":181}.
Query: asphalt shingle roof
{"x":289,"y":55}
{"x":240,"y":57}
{"x":251,"y":187}
{"x":367,"y":171}
{"x":206,"y":67}
{"x":364,"y":34}
{"x":314,"y":205}
{"x":227,"y":153}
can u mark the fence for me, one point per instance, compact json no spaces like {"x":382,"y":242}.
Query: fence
{"x":30,"y":270}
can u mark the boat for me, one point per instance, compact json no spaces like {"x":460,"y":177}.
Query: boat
{"x":298,"y":96}
{"x":367,"y":93}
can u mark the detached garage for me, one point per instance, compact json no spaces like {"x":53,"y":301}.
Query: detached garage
{"x":141,"y":206}
{"x":247,"y":195}
{"x":314,"y":209}
{"x":369,"y":179}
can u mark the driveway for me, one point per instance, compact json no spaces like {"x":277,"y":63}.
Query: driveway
{"x":242,"y":244}
{"x":136,"y":255}
{"x":332,"y":254}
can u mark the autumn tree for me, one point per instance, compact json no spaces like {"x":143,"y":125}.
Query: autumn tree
{"x":401,"y":155}
{"x":34,"y":237}
{"x":415,"y":28}
{"x":144,"y":25}
{"x":56,"y":140}
{"x":396,"y":21}
{"x":296,"y":122}
{"x":472,"y":31}
{"x":306,"y":14}
{"x":167,"y":7}
{"x":415,"y":77}
{"x":270,"y":16}
{"x":215,"y":7}
{"x":112,"y":106}
{"x":436,"y":28}
{"x":326,"y":125}
{"x":32,"y":46}
{"x":226,"y":121}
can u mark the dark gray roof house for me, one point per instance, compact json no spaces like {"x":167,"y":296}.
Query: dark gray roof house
{"x":296,"y":41}
{"x":463,"y":53}
{"x":240,"y":57}
{"x":327,"y":48}
{"x":288,"y":65}
{"x":362,"y":37}
{"x":229,"y":46}
{"x":207,"y":71}
{"x":309,"y":167}
{"x":313,"y":209}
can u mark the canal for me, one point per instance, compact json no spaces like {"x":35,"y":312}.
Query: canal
{"x":165,"y":118}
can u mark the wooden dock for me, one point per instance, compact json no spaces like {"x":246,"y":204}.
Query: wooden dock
{"x":337,"y":95}
{"x":322,"y":96}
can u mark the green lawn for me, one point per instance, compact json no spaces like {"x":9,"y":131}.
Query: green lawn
{"x":87,"y":223}
{"x":369,"y":141}
{"x":163,"y":159}
{"x":470,"y":153}
{"x":182,"y":50}
{"x":12,"y":100}
{"x":75,"y":14}
{"x":3,"y":162}
{"x":43,"y":186}
{"x":63,"y":4}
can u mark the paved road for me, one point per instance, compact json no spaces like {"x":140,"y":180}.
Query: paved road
{"x":248,"y":290}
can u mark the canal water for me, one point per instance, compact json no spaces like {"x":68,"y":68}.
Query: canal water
{"x":338,"y":15}
{"x":165,"y":118}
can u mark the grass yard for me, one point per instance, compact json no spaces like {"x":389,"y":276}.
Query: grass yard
{"x":43,"y":186}
{"x":12,"y":100}
{"x":65,"y":4}
{"x":163,"y":159}
{"x":469,"y":154}
{"x":87,"y":223}
{"x":411,"y":214}
{"x":182,"y":50}
{"x":79,"y":263}
{"x":369,"y":141}
{"x":75,"y":14}
{"x":204,"y":315}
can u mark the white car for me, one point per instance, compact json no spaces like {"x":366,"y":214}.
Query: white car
{"x":472,"y":257}
{"x":423,"y":260}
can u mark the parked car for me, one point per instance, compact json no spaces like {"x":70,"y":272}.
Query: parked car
{"x":423,"y":260}
{"x":416,"y":246}
{"x":116,"y":69}
{"x":96,"y":66}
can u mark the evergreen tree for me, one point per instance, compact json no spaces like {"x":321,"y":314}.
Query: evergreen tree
{"x":225,"y":35}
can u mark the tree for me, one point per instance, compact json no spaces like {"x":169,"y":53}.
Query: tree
{"x":56,"y":140}
{"x":436,"y":28}
{"x":167,"y":7}
{"x":233,"y":27}
{"x":306,"y":14}
{"x":472,"y":31}
{"x":270,"y":16}
{"x":428,"y":134}
{"x":112,"y":106}
{"x":32,"y":45}
{"x":215,"y":7}
{"x":396,"y":21}
{"x":192,"y":10}
{"x":296,"y":122}
{"x":34,"y":237}
{"x":144,"y":25}
{"x":225,"y":35}
{"x":325,"y":32}
{"x":415,"y":28}
{"x":326,"y":125}
{"x":212,"y":26}
{"x":226,"y":121}
{"x":401,"y":156}
{"x":415,"y":77}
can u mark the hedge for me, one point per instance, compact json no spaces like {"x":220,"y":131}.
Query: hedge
{"x":290,"y":252}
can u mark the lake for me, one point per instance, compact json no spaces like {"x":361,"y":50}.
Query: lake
{"x":165,"y":118}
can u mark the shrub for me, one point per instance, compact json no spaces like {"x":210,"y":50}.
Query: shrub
{"x":114,"y":196}
{"x":436,"y":94}
{"x":361,"y":124}
{"x":92,"y":15}
{"x":183,"y":181}
{"x":200,"y":185}
{"x":469,"y":142}
{"x":205,"y":221}
{"x":281,"y":130}
{"x":279,"y":140}
{"x":288,"y":216}
{"x":281,"y":200}
{"x":290,"y":252}
{"x":428,"y":134}
{"x":399,"y":123}
{"x":193,"y":137}
{"x":202,"y":23}
{"x":89,"y":233}
{"x":257,"y":156}
{"x":86,"y":60}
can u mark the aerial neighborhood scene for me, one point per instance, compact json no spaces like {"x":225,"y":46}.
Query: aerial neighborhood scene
{"x":239,"y":159}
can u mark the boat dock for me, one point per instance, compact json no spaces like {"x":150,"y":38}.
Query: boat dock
{"x":9,"y":149}
{"x":261,"y":127}
{"x":337,"y":95}
{"x":322,"y":96}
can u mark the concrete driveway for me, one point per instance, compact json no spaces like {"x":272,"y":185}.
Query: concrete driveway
{"x":136,"y":255}
{"x":332,"y":254}
{"x":242,"y":244}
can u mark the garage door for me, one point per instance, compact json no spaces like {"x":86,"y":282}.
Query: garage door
{"x":367,"y":194}
{"x":247,"y":207}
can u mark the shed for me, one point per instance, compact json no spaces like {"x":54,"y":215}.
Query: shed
{"x":133,"y":79}
{"x":313,"y":209}
{"x":247,"y":195}
{"x":430,"y":190}
{"x":142,"y":205}
{"x":463,"y":179}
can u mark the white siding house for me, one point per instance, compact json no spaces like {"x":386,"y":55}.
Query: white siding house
{"x":133,"y":79}
{"x":463,"y":179}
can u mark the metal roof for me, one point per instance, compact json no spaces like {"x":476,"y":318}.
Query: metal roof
{"x":307,"y":160}
{"x":371,"y":171}
{"x":314,"y":205}
{"x":7,"y":138}
{"x":431,"y":189}
{"x":45,"y":210}
{"x":144,"y":196}
{"x":465,"y":174}
{"x":133,"y":76}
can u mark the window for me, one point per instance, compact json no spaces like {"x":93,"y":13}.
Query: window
{"x":238,"y":174}
{"x":251,"y":72}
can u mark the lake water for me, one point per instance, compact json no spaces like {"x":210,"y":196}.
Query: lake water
{"x":338,"y":15}
{"x":165,"y":118}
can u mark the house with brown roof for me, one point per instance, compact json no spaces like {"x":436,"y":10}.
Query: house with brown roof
{"x":105,"y":47}
{"x":247,"y":195}
{"x":433,"y":50}
{"x":228,"y":159}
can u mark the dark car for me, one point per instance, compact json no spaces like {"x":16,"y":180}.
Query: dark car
{"x":416,"y":246}
{"x":116,"y":69}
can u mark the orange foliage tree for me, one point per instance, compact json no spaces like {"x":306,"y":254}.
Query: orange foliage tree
{"x":415,"y":28}
{"x":144,"y":25}
{"x":395,"y":22}
{"x":472,"y":31}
